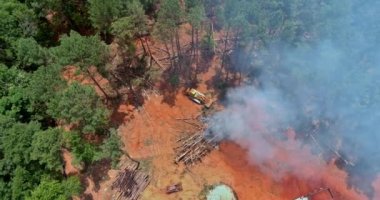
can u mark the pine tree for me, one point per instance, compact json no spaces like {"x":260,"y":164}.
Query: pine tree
{"x":80,"y":105}
{"x":82,"y":52}
{"x":103,"y":13}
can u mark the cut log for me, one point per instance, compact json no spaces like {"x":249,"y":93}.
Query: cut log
{"x":192,"y":149}
{"x":130,"y":183}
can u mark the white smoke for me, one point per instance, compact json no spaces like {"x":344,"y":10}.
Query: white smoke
{"x":335,"y":80}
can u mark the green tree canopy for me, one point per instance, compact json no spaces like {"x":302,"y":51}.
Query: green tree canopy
{"x":103,"y":13}
{"x":30,"y":55}
{"x":44,"y":83}
{"x":12,"y":98}
{"x":33,"y":95}
{"x":9,"y":79}
{"x":111,"y":148}
{"x":82,"y":51}
{"x":83,"y":152}
{"x":46,"y":148}
{"x":136,"y":11}
{"x":16,"y":21}
{"x":169,"y":17}
{"x":132,"y":24}
{"x":66,"y":15}
{"x":16,"y":145}
{"x":80,"y":105}
{"x":124,"y":29}
{"x":50,"y":189}
{"x":21,"y":183}
{"x":196,"y":15}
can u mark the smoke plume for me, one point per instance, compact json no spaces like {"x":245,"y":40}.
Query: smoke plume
{"x":326,"y":92}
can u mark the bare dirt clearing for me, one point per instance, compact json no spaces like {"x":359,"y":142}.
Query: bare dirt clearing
{"x":150,"y":133}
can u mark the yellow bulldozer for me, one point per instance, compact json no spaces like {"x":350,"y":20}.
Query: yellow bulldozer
{"x":199,"y":97}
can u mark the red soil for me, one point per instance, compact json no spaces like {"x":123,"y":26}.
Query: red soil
{"x":250,"y":182}
{"x":67,"y":158}
{"x":71,"y":74}
{"x":149,"y":135}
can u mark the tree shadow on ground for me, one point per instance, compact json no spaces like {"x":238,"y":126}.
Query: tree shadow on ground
{"x":168,"y":91}
{"x":98,"y":172}
{"x":185,"y":75}
{"x":205,"y":63}
{"x":172,"y":80}
{"x":86,"y":197}
{"x":130,"y":78}
{"x":117,"y":118}
{"x":84,"y":183}
{"x":136,"y":98}
{"x":218,"y":83}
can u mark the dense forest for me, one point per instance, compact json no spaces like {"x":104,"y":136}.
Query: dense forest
{"x":43,"y":112}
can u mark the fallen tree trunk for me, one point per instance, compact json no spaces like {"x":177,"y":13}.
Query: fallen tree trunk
{"x":193,"y":148}
{"x":130,"y":183}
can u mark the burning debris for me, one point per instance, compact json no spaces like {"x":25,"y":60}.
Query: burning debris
{"x":130,"y":183}
{"x":193,"y":148}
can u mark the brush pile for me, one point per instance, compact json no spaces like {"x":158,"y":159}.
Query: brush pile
{"x":192,"y":149}
{"x":130,"y":183}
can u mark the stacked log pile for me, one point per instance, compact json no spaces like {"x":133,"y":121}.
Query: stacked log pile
{"x":192,"y":149}
{"x":130,"y":183}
